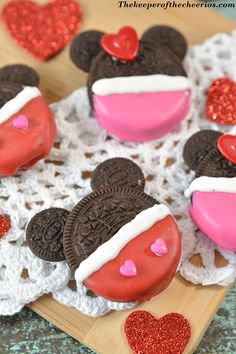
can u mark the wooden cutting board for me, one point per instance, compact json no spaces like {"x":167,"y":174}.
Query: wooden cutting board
{"x":59,"y":78}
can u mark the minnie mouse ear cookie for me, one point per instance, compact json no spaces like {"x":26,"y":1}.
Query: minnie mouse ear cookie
{"x":213,"y":191}
{"x":138,"y":88}
{"x":27,"y":126}
{"x":120,"y":242}
{"x":118,"y":172}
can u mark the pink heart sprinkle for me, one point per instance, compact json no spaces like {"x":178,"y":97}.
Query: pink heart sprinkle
{"x":21,"y":122}
{"x":128,"y":269}
{"x":159,"y":247}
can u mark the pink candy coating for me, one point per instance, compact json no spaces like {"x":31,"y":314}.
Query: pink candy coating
{"x":143,"y":116}
{"x":214,"y":214}
{"x":128,"y":269}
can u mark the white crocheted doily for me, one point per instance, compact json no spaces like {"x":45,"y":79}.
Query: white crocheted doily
{"x":63,"y":179}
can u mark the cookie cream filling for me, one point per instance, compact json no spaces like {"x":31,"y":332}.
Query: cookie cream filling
{"x":110,"y":249}
{"x":140,"y":84}
{"x":212,"y":184}
{"x":18,"y":102}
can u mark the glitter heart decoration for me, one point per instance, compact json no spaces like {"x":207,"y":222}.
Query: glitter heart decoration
{"x":4,"y":225}
{"x":128,"y":269}
{"x":221,"y":101}
{"x":159,"y":247}
{"x":42,"y":30}
{"x":227,"y":147}
{"x":123,"y":45}
{"x":149,"y":335}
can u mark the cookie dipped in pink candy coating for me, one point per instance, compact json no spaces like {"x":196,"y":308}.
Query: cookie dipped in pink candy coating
{"x":213,"y":191}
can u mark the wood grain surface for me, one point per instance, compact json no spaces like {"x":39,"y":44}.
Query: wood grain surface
{"x":58,"y":79}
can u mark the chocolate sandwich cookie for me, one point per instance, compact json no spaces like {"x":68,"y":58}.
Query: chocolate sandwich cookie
{"x":19,"y":73}
{"x":129,"y":77}
{"x":168,"y":37}
{"x":199,"y":146}
{"x":121,"y":243}
{"x":8,"y":90}
{"x":98,"y":217}
{"x":44,"y":234}
{"x":212,"y":156}
{"x":117,"y":172}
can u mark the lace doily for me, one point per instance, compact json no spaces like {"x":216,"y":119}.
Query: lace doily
{"x":63,"y":179}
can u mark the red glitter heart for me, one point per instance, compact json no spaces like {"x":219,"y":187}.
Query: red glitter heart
{"x":147,"y":335}
{"x":42,"y":30}
{"x":123,"y":45}
{"x":221,"y":101}
{"x":227,"y":146}
{"x":4,"y":225}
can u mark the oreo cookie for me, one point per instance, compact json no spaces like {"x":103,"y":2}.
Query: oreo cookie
{"x":8,"y":90}
{"x":21,"y":74}
{"x":44,"y":234}
{"x":216,"y":165}
{"x":168,"y":37}
{"x":97,"y":217}
{"x":199,"y":146}
{"x":117,"y":172}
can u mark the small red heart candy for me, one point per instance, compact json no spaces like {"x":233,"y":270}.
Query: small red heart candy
{"x":148,"y":335}
{"x":221,"y":101}
{"x":227,"y":146}
{"x":123,"y":45}
{"x":42,"y":30}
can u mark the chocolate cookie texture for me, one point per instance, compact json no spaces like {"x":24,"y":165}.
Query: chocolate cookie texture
{"x":19,"y":73}
{"x":8,"y":90}
{"x":44,"y":234}
{"x":117,"y":172}
{"x":97,"y":217}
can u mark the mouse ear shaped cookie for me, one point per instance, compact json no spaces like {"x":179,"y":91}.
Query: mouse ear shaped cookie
{"x":21,"y":74}
{"x":169,"y":37}
{"x":117,"y":172}
{"x":85,"y":48}
{"x":44,"y":234}
{"x":199,"y":146}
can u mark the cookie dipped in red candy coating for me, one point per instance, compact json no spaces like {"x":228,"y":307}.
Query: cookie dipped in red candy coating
{"x":27,"y":131}
{"x":133,"y":243}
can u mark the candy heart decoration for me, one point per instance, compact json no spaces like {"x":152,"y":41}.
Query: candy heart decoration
{"x":148,"y":335}
{"x":42,"y":30}
{"x":221,"y":101}
{"x":227,"y":146}
{"x":159,"y":247}
{"x":128,"y":269}
{"x":4,"y":225}
{"x":21,"y":122}
{"x":123,"y":45}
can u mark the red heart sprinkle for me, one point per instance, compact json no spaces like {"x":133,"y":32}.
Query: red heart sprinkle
{"x":221,"y":101}
{"x":123,"y":45}
{"x":147,"y":335}
{"x":42,"y":30}
{"x":227,"y":146}
{"x":4,"y":225}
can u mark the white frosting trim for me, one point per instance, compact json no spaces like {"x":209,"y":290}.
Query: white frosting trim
{"x":212,"y":184}
{"x":18,"y":102}
{"x":110,"y":249}
{"x":140,"y":84}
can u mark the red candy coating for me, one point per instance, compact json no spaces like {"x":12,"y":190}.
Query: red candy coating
{"x":4,"y":225}
{"x":221,"y":101}
{"x":227,"y":146}
{"x":123,"y":45}
{"x":153,"y":273}
{"x":22,"y":148}
{"x":147,"y":335}
{"x":42,"y":30}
